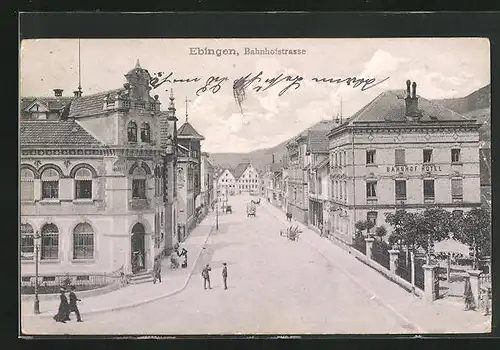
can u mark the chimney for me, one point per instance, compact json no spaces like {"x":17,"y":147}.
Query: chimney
{"x":58,"y":92}
{"x":411,"y":102}
{"x":77,"y":93}
{"x":273,"y":158}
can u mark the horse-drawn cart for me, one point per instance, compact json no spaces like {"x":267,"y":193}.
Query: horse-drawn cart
{"x":291,"y":233}
{"x":251,"y":210}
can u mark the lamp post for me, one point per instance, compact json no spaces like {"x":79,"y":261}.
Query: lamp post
{"x":37,"y":239}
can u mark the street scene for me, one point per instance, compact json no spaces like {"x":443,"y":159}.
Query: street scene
{"x":271,"y":283}
{"x":260,"y":194}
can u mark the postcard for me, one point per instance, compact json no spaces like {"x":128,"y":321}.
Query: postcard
{"x":255,"y":186}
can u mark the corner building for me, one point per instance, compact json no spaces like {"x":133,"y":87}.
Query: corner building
{"x":401,"y":151}
{"x":97,"y":181}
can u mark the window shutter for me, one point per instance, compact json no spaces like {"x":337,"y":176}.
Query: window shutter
{"x":456,"y":187}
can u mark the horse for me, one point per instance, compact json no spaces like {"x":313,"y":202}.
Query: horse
{"x":255,"y":202}
{"x":289,"y":216}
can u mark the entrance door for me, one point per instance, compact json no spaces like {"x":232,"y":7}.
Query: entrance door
{"x":138,"y":248}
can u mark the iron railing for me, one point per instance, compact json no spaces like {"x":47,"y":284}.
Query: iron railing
{"x":380,"y":253}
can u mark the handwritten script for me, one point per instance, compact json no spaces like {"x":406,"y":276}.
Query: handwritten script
{"x":260,"y":82}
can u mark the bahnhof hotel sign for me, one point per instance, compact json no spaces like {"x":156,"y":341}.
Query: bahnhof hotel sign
{"x":414,"y":168}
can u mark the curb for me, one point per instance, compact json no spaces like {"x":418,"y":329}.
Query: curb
{"x":143,"y":302}
{"x":374,"y":297}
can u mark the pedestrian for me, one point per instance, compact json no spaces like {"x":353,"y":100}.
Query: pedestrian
{"x":72,"y":304}
{"x":157,"y":270}
{"x":468,"y":296}
{"x":62,"y":313}
{"x":321,"y":229}
{"x":140,"y":261}
{"x":224,"y":275}
{"x":206,"y":276}
{"x":185,"y":254}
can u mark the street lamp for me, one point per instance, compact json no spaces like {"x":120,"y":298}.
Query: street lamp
{"x":217,"y":200}
{"x":37,"y":240}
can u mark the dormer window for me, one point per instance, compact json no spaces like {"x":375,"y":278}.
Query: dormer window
{"x":132,"y":132}
{"x":145,"y":132}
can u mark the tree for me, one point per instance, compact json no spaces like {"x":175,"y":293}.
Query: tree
{"x":380,"y":232}
{"x":476,"y":232}
{"x":364,"y":225}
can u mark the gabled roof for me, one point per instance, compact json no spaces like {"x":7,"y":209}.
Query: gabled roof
{"x":91,"y":104}
{"x":52,"y":103}
{"x":187,"y":131}
{"x":317,"y":141}
{"x":240,"y":169}
{"x":55,"y":133}
{"x":390,"y":106}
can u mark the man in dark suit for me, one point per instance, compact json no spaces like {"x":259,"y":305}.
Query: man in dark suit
{"x":72,"y":304}
{"x":206,"y":276}
{"x":224,"y":274}
{"x":157,"y":271}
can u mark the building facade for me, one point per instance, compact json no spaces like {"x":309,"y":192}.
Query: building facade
{"x":94,"y":181}
{"x":207,"y":185}
{"x":247,"y":178}
{"x":298,"y":165}
{"x":188,"y":179}
{"x":401,"y":151}
{"x":226,"y":185}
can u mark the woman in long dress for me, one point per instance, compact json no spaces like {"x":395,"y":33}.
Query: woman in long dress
{"x":63,"y":312}
{"x":468,"y":297}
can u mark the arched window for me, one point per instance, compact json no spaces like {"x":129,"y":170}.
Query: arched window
{"x":27,"y":243}
{"x":83,"y":241}
{"x":145,"y":132}
{"x":132,"y":132}
{"x":83,"y":184}
{"x":50,"y":184}
{"x":27,"y":185}
{"x":50,"y":242}
{"x":139,"y":183}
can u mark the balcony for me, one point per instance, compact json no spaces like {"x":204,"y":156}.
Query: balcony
{"x":139,"y":204}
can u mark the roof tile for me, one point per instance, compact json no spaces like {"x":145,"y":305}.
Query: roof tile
{"x":55,"y":133}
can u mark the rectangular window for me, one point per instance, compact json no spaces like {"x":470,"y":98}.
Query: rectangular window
{"x":341,"y":191}
{"x":336,"y":160}
{"x":139,"y":188}
{"x":428,"y":189}
{"x":50,"y":189}
{"x":372,"y":216}
{"x":83,"y":246}
{"x":371,"y":190}
{"x":345,"y":190}
{"x":50,"y":246}
{"x":455,"y":155}
{"x":400,"y":189}
{"x":427,"y":154}
{"x":399,"y":155}
{"x":370,"y":157}
{"x":84,"y":189}
{"x":457,"y":192}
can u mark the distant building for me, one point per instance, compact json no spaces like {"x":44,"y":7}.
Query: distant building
{"x":401,"y":151}
{"x":226,"y":185}
{"x":298,"y":164}
{"x":207,"y":184}
{"x":247,"y":178}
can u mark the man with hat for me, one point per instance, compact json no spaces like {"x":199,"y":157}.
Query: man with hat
{"x":224,"y":275}
{"x":205,"y":273}
{"x":72,"y":304}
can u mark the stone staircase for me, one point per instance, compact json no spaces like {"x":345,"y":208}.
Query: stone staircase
{"x":141,"y":277}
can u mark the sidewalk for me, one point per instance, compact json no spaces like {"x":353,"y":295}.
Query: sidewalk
{"x":438,"y":317}
{"x":173,"y":282}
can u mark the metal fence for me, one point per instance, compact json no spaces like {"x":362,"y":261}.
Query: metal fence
{"x":51,"y":283}
{"x":380,"y":253}
{"x":404,"y":269}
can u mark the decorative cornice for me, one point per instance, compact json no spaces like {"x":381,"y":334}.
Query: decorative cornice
{"x":97,"y":152}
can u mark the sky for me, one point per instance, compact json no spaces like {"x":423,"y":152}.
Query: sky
{"x":441,"y":67}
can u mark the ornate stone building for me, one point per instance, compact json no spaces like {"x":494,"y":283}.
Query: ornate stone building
{"x":97,"y":180}
{"x":401,"y":151}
